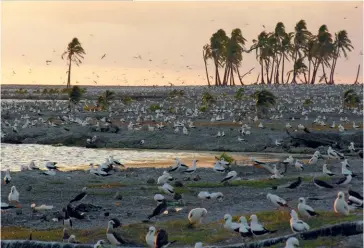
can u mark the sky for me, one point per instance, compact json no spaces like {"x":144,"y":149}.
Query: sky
{"x":152,"y":43}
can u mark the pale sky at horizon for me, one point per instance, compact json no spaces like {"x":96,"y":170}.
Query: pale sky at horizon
{"x":171,"y":34}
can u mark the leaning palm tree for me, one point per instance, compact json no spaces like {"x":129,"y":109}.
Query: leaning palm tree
{"x":351,"y":99}
{"x":260,"y":47}
{"x":206,"y":54}
{"x":217,"y":44}
{"x":263,"y":100}
{"x":342,"y":44}
{"x":74,"y":54}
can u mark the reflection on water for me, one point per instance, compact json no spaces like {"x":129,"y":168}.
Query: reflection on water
{"x":13,"y":155}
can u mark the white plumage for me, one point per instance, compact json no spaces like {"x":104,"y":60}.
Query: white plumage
{"x":14,"y":195}
{"x":196,"y":215}
{"x":167,"y":188}
{"x":340,"y":205}
{"x":276,"y":200}
{"x":304,"y":209}
{"x":229,"y":224}
{"x":297,"y":225}
{"x":149,"y":238}
{"x":292,"y":242}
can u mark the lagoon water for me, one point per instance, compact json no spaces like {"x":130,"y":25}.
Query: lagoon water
{"x":15,"y":155}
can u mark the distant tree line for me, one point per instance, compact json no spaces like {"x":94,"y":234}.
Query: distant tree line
{"x":309,"y":53}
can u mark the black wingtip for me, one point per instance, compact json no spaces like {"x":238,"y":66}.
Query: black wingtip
{"x":275,"y":187}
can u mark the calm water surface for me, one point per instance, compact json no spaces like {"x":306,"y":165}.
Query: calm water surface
{"x":13,"y":156}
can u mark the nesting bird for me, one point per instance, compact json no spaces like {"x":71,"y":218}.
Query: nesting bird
{"x":196,"y":215}
{"x":340,"y":205}
{"x":304,"y":209}
{"x":296,"y":224}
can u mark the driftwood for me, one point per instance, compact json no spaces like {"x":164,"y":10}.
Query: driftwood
{"x":344,"y":229}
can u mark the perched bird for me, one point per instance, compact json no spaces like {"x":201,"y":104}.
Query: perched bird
{"x":112,"y":236}
{"x":51,"y":165}
{"x":99,"y":244}
{"x":355,"y":194}
{"x":292,"y":242}
{"x":346,"y":179}
{"x":230,"y":176}
{"x":344,"y":168}
{"x":161,"y":239}
{"x":298,"y":165}
{"x":351,"y":147}
{"x":327,"y":171}
{"x":5,"y":206}
{"x":51,"y":172}
{"x":158,"y":198}
{"x":292,"y":185}
{"x":321,"y":184}
{"x":304,"y":209}
{"x":296,"y":224}
{"x":149,"y":238}
{"x":193,"y":168}
{"x":199,"y":245}
{"x":196,"y":215}
{"x":14,"y":196}
{"x":229,"y":224}
{"x":334,"y":154}
{"x":166,"y":177}
{"x":80,"y":196}
{"x":340,"y":205}
{"x":257,"y":228}
{"x":167,"y":188}
{"x":276,"y":200}
{"x":159,"y":209}
{"x":355,"y":202}
{"x":7,"y":177}
{"x":217,"y":195}
{"x":289,"y":160}
{"x":244,"y":228}
{"x":67,"y":221}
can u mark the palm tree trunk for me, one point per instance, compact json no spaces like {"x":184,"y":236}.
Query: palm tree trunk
{"x":316,"y":65}
{"x":241,"y":81}
{"x":207,"y":73}
{"x":277,"y":71}
{"x":217,"y":75}
{"x":262,"y":73}
{"x":69,"y":75}
{"x":309,"y":72}
{"x":257,"y":78}
{"x":271,"y":74}
{"x":357,"y":76}
{"x":267,"y":70}
{"x":333,"y":67}
{"x":232,"y":76}
{"x":294,"y":70}
{"x":323,"y":70}
{"x":226,"y":72}
{"x":282,"y":69}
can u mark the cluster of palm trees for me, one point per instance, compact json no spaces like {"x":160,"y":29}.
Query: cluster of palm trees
{"x":308,"y":53}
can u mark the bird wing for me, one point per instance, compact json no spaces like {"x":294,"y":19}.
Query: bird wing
{"x":78,"y":197}
{"x":355,"y":194}
{"x":119,"y":238}
{"x":226,"y":179}
{"x":161,"y":238}
{"x":341,"y":180}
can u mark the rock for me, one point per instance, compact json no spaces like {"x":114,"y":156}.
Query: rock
{"x":151,"y":181}
{"x":178,"y":184}
{"x":19,"y":211}
{"x":106,"y":214}
{"x":29,"y":188}
{"x":129,"y":214}
{"x":118,"y":196}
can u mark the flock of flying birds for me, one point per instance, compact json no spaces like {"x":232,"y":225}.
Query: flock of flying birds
{"x":159,"y":238}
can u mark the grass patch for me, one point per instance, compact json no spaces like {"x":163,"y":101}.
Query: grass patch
{"x":106,"y":185}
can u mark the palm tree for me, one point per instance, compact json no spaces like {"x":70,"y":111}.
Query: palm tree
{"x":342,"y":44}
{"x":351,"y":99}
{"x":299,"y":68}
{"x":233,"y":54}
{"x":206,"y":54}
{"x":217,"y":45}
{"x":263,"y":100}
{"x":301,"y":36}
{"x":322,"y":51}
{"x":286,"y":50}
{"x":74,"y":54}
{"x":105,"y":99}
{"x":261,"y":52}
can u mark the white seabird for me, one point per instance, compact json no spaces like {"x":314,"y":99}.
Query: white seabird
{"x":112,"y":236}
{"x":158,"y":198}
{"x":327,"y":171}
{"x":199,"y":245}
{"x":41,"y":207}
{"x":296,"y":224}
{"x":244,"y":228}
{"x":166,"y":177}
{"x":193,"y":168}
{"x":204,"y":195}
{"x":196,"y":215}
{"x":346,"y":179}
{"x":355,"y":202}
{"x":14,"y":195}
{"x":340,"y":205}
{"x":304,"y":209}
{"x":351,"y":147}
{"x":334,"y":154}
{"x":167,"y":188}
{"x":276,"y":200}
{"x":344,"y":169}
{"x":230,"y":176}
{"x":218,"y":167}
{"x":99,"y":244}
{"x":50,"y":172}
{"x":289,"y":160}
{"x":7,"y":177}
{"x":229,"y":224}
{"x":51,"y":165}
{"x":292,"y":242}
{"x":257,"y":228}
{"x":149,"y":238}
{"x":32,"y":166}
{"x":298,"y":165}
{"x":217,"y":195}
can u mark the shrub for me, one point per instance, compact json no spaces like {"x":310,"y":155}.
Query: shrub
{"x":227,"y":157}
{"x":154,"y":107}
{"x":75,"y":94}
{"x":127,"y":100}
{"x":176,"y":93}
{"x":207,"y":98}
{"x":239,"y":94}
{"x":204,"y":108}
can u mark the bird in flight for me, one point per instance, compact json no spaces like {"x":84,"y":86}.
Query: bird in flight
{"x":103,"y":56}
{"x":48,"y":61}
{"x":263,"y":26}
{"x":95,"y":82}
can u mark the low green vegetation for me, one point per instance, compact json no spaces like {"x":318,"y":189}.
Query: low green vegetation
{"x":154,"y":107}
{"x":307,"y":103}
{"x":106,"y":185}
{"x":204,"y":108}
{"x":176,"y":93}
{"x":21,"y":91}
{"x":226,"y":157}
{"x":127,"y":100}
{"x":208,"y":98}
{"x":239,"y":95}
{"x":105,"y":99}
